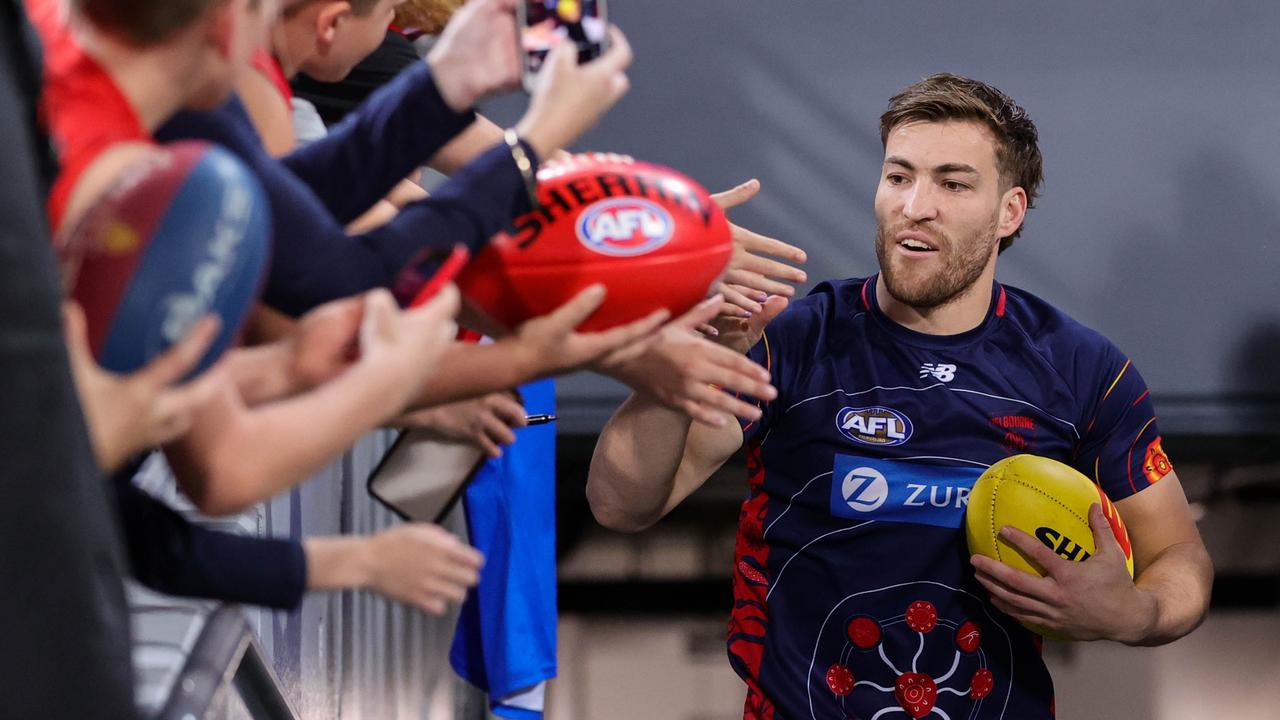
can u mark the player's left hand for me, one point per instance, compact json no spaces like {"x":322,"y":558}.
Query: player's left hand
{"x":1090,"y":600}
{"x":753,"y":272}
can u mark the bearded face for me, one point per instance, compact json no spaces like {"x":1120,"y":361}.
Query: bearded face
{"x":924,"y":283}
{"x":938,"y":211}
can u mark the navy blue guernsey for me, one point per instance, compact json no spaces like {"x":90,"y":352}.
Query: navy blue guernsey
{"x":854,"y":596}
{"x":320,"y":187}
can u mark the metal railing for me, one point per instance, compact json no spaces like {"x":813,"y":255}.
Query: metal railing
{"x":224,"y":659}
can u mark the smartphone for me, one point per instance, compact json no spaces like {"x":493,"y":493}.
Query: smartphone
{"x":448,"y":270}
{"x":544,"y":24}
{"x":422,"y":477}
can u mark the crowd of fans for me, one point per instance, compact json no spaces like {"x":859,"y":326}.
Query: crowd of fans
{"x":91,"y":88}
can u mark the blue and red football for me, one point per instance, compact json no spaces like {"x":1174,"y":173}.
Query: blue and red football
{"x":184,"y":232}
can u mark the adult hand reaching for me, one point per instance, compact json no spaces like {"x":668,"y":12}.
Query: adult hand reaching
{"x":758,"y":267}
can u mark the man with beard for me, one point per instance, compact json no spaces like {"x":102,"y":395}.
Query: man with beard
{"x":854,"y":593}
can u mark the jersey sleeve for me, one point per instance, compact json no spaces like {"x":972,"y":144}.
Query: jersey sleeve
{"x":782,"y":350}
{"x":1120,"y":446}
{"x":760,"y":355}
{"x":313,"y":260}
{"x":169,"y":554}
{"x":395,"y":131}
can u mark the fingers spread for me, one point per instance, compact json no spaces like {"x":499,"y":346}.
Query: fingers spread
{"x":579,"y":308}
{"x":756,"y":281}
{"x":703,"y":312}
{"x":736,"y":196}
{"x":759,"y":244}
{"x":596,"y":344}
{"x":770,"y":267}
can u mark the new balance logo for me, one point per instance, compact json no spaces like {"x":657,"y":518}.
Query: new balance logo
{"x":941,"y":371}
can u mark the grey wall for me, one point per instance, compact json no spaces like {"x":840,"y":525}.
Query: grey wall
{"x":1160,"y":125}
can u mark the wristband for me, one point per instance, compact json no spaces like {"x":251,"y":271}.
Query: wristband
{"x":524,"y":165}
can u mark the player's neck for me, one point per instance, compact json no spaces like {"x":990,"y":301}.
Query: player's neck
{"x":151,"y":79}
{"x":962,"y":313}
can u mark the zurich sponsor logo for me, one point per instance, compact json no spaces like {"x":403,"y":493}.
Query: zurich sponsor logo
{"x":624,"y":227}
{"x":864,"y":489}
{"x":874,"y":425}
{"x":901,"y":491}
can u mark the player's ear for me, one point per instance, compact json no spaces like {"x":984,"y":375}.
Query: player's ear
{"x":329,"y":16}
{"x":1013,"y":210}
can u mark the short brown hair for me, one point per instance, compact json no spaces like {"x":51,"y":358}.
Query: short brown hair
{"x":952,"y":97}
{"x":429,"y":16}
{"x":144,"y":22}
{"x":290,"y":8}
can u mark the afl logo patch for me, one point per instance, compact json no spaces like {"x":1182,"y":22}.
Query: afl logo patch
{"x":874,"y":425}
{"x":624,"y":227}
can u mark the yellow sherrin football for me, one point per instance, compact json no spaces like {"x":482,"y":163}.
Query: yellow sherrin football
{"x":1045,"y":499}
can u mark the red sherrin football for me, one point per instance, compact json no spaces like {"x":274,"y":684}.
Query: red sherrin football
{"x":652,"y":236}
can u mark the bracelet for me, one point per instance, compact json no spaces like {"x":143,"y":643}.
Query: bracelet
{"x":524,"y":165}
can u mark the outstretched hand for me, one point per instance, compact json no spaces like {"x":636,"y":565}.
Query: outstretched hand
{"x":487,"y":422}
{"x":407,"y":343}
{"x":422,"y":565}
{"x":1089,"y":600}
{"x":741,"y":334}
{"x":687,"y":372}
{"x":127,"y":414}
{"x":758,"y":267}
{"x":551,"y":344}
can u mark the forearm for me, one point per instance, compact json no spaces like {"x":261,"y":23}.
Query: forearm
{"x":339,"y":562}
{"x":261,"y":373}
{"x":234,"y":457}
{"x":393,"y":132}
{"x":468,"y":370}
{"x":633,"y":470}
{"x":467,"y":146}
{"x":1179,"y":581}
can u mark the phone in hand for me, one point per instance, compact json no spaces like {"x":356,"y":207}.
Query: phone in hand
{"x":444,"y":274}
{"x":544,"y":24}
